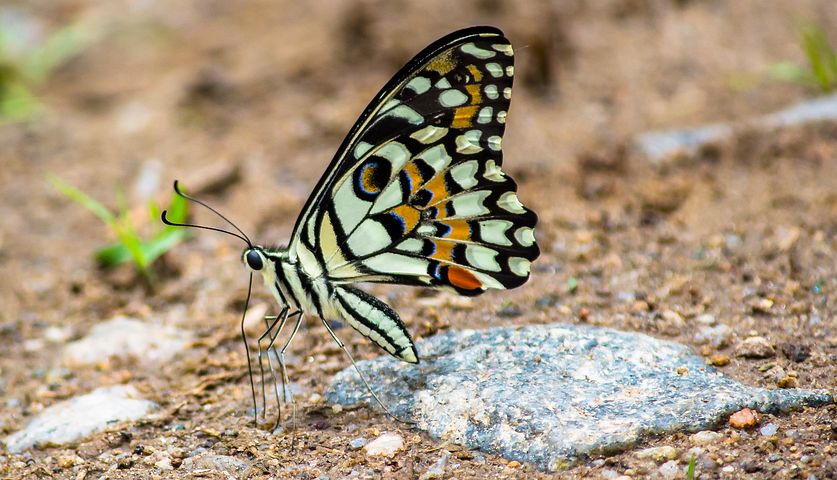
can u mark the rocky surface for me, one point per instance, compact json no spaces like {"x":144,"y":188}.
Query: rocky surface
{"x":126,"y":337}
{"x":75,"y":418}
{"x":552,"y":394}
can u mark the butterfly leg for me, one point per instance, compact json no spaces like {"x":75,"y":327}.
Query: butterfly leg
{"x":285,"y":380}
{"x":270,"y":324}
{"x":283,"y":317}
{"x":363,"y":377}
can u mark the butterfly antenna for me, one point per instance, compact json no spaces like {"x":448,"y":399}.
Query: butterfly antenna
{"x":241,"y":235}
{"x":247,"y":351}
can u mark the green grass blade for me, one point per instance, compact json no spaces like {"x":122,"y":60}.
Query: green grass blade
{"x":162,"y":243}
{"x":112,"y":255}
{"x":821,"y":57}
{"x":178,"y":209}
{"x":83,"y":199}
{"x":690,"y":470}
{"x":62,"y":45}
{"x":129,"y":237}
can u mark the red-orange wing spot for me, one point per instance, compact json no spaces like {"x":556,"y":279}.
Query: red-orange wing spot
{"x":459,"y":277}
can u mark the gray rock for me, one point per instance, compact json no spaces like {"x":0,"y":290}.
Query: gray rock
{"x":549,"y":394}
{"x":127,"y":337}
{"x":658,"y":146}
{"x":80,"y":416}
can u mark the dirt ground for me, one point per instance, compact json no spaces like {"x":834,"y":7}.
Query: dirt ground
{"x":250,"y":99}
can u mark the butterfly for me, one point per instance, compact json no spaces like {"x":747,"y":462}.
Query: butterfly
{"x":415,"y":195}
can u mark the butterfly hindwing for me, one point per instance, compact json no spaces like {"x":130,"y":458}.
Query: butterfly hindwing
{"x":416,"y":194}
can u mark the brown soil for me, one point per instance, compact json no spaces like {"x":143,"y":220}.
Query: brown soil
{"x":253,"y":97}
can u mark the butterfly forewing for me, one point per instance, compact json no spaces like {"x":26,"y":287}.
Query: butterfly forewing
{"x":417,"y":195}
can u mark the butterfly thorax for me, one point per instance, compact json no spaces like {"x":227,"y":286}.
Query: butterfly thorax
{"x":289,"y":283}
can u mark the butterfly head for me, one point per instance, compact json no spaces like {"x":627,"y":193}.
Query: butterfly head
{"x":254,"y":258}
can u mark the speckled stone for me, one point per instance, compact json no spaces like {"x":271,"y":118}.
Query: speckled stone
{"x":77,"y":417}
{"x":553,"y":394}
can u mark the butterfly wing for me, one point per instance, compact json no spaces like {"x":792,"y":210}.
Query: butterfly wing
{"x":415,"y":194}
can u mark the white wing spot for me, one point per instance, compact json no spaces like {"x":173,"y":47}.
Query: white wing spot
{"x":494,"y":231}
{"x":491,"y":92}
{"x":504,"y":48}
{"x":442,"y":83}
{"x":407,"y":113}
{"x":485,"y":115}
{"x":483,"y":258}
{"x":525,"y":236}
{"x":493,"y":172}
{"x":419,"y":85}
{"x":501,"y":116}
{"x":510,"y":203}
{"x":469,"y":142}
{"x":411,"y":245}
{"x":494,"y":69}
{"x":510,"y":71}
{"x":471,"y":204}
{"x":507,"y":93}
{"x":429,"y":134}
{"x":472,"y":49}
{"x":396,"y":153}
{"x":463,"y":174}
{"x":452,"y":98}
{"x":361,"y":149}
{"x":436,"y":156}
{"x":495,"y":142}
{"x":391,"y":103}
{"x":519,"y":266}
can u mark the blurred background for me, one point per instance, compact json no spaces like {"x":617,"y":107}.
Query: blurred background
{"x":104,"y":103}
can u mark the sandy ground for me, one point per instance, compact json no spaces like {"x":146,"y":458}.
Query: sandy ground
{"x":250,"y":99}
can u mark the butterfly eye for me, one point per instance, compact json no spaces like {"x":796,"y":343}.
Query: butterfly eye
{"x":254,"y":260}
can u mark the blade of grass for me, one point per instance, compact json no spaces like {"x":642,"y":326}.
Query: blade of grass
{"x":112,"y":255}
{"x":57,"y":49}
{"x":690,"y":470}
{"x":83,"y":199}
{"x":129,"y":237}
{"x":162,"y":243}
{"x":178,"y":209}
{"x":821,"y":57}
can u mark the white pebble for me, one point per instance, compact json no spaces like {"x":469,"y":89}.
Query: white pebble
{"x":706,"y":437}
{"x":387,"y":445}
{"x":669,"y":469}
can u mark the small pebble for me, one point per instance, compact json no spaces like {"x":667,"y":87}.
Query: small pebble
{"x":718,"y":336}
{"x":744,"y":418}
{"x":706,"y":319}
{"x":658,"y":454}
{"x":761,"y":305}
{"x":788,"y":382}
{"x":755,"y":347}
{"x":669,"y":470}
{"x":769,"y":430}
{"x":706,"y":437}
{"x":357,"y":443}
{"x":718,"y":360}
{"x":387,"y":445}
{"x":437,"y":470}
